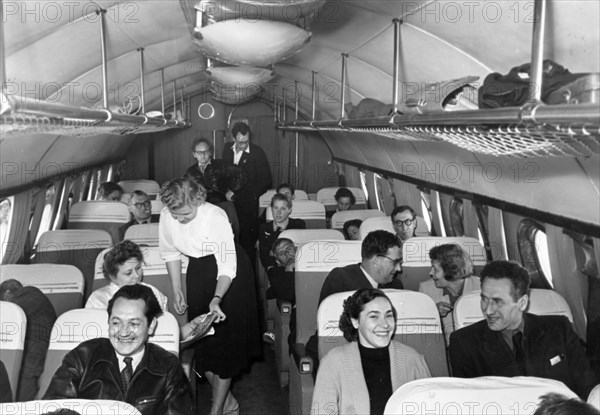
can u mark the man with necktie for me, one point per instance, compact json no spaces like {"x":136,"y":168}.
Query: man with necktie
{"x":511,"y":342}
{"x":140,"y":207}
{"x":125,"y":367}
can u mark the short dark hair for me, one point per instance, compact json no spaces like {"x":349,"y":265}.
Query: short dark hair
{"x":138,"y":193}
{"x":118,"y":255}
{"x":557,"y":404}
{"x":401,"y":209}
{"x":455,"y":262}
{"x":351,"y":222}
{"x":106,"y":188}
{"x":281,"y":197}
{"x":378,"y":243}
{"x":518,"y":276}
{"x":354,"y":305}
{"x":200,"y":141}
{"x":286,"y":185}
{"x":8,"y":288}
{"x":345,"y":192}
{"x":239,"y":127}
{"x":138,"y":292}
{"x":280,"y":241}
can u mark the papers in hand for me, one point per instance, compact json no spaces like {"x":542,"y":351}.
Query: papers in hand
{"x":203,"y":328}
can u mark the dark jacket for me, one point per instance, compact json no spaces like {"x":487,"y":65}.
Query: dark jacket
{"x":267,"y":236}
{"x":350,"y":278}
{"x":251,"y":177}
{"x":552,"y":350}
{"x":213,"y":179}
{"x":91,"y":371}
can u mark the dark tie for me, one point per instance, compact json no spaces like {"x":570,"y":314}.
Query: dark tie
{"x":126,"y":373}
{"x":279,"y":229}
{"x":519,"y":353}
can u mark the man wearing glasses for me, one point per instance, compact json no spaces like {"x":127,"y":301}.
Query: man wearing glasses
{"x":141,"y":210}
{"x":207,"y":171}
{"x":404,"y":219}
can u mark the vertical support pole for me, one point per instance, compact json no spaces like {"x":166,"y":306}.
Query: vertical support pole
{"x":214,"y":134}
{"x":396,"y":88}
{"x":174,"y":102}
{"x":537,"y":51}
{"x":275,"y":110}
{"x":314,"y":95}
{"x":181,"y":102}
{"x":284,"y":107}
{"x":143,"y":98}
{"x":2,"y":57}
{"x":343,"y":92}
{"x":162,"y":92}
{"x":297,"y":99}
{"x":101,"y":12}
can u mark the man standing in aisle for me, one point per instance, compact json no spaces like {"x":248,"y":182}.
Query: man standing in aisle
{"x":248,"y":176}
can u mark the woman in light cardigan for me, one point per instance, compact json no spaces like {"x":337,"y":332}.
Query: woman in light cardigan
{"x":360,"y":377}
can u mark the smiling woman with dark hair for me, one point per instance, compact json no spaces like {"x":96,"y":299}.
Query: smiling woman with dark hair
{"x":360,"y":377}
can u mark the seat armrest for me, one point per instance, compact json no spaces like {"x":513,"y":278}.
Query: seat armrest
{"x":285,"y":307}
{"x":304,"y":363}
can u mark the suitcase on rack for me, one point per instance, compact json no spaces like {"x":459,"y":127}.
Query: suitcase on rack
{"x":584,"y":90}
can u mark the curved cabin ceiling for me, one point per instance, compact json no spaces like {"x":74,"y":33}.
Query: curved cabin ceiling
{"x":53,"y":52}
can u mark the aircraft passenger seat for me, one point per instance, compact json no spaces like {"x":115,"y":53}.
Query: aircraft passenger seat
{"x":62,"y":284}
{"x":12,"y":336}
{"x":483,"y":395}
{"x":594,"y":398}
{"x":339,"y":218}
{"x":146,"y":234}
{"x":108,"y":216}
{"x":78,"y":247}
{"x":264,"y":201}
{"x":385,"y":223}
{"x":416,"y":264}
{"x":313,"y":213}
{"x":314,"y":262}
{"x":76,"y":326}
{"x":150,"y":187}
{"x":543,"y":302}
{"x":155,"y":274}
{"x":326,"y":197}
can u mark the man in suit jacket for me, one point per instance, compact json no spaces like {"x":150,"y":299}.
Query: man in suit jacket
{"x":281,"y":206}
{"x":140,"y":208}
{"x":510,"y":342}
{"x":208,"y":171}
{"x":249,"y":176}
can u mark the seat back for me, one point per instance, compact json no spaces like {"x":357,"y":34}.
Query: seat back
{"x":264,"y":201}
{"x":385,"y":223}
{"x":594,"y":397}
{"x":313,"y":213}
{"x":314,"y":262}
{"x":81,"y":406}
{"x":157,"y":206}
{"x":339,"y":218}
{"x":146,"y":234}
{"x":76,"y":326}
{"x":13,"y":324}
{"x":150,"y":187}
{"x":155,"y":274}
{"x":326,"y":196}
{"x":98,"y":214}
{"x":300,"y":236}
{"x":483,"y":395}
{"x":416,"y":264}
{"x":62,"y":284}
{"x":542,"y":302}
{"x":78,"y":247}
{"x":418,"y":326}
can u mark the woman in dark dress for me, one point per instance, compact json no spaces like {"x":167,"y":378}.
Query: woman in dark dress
{"x":218,"y":279}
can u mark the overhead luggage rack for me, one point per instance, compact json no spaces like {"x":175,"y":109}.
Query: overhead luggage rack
{"x":540,"y":130}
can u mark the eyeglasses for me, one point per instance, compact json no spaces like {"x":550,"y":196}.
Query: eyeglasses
{"x":140,"y":205}
{"x":407,"y":222}
{"x":397,"y":262}
{"x":203,"y":152}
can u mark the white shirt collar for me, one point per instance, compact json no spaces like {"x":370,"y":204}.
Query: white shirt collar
{"x":374,"y":283}
{"x":137,"y":358}
{"x":247,"y":150}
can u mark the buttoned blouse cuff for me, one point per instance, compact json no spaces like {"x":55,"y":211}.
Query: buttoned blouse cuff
{"x":226,"y":274}
{"x":171,"y":257}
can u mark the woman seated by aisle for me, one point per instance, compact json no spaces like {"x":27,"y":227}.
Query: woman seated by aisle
{"x":360,"y":377}
{"x":451,"y":276}
{"x":123,"y":266}
{"x":352,"y":229}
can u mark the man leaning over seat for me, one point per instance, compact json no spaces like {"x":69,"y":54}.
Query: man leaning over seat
{"x":125,"y":367}
{"x":510,"y":342}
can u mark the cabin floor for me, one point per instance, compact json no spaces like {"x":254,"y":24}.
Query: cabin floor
{"x":257,"y":390}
